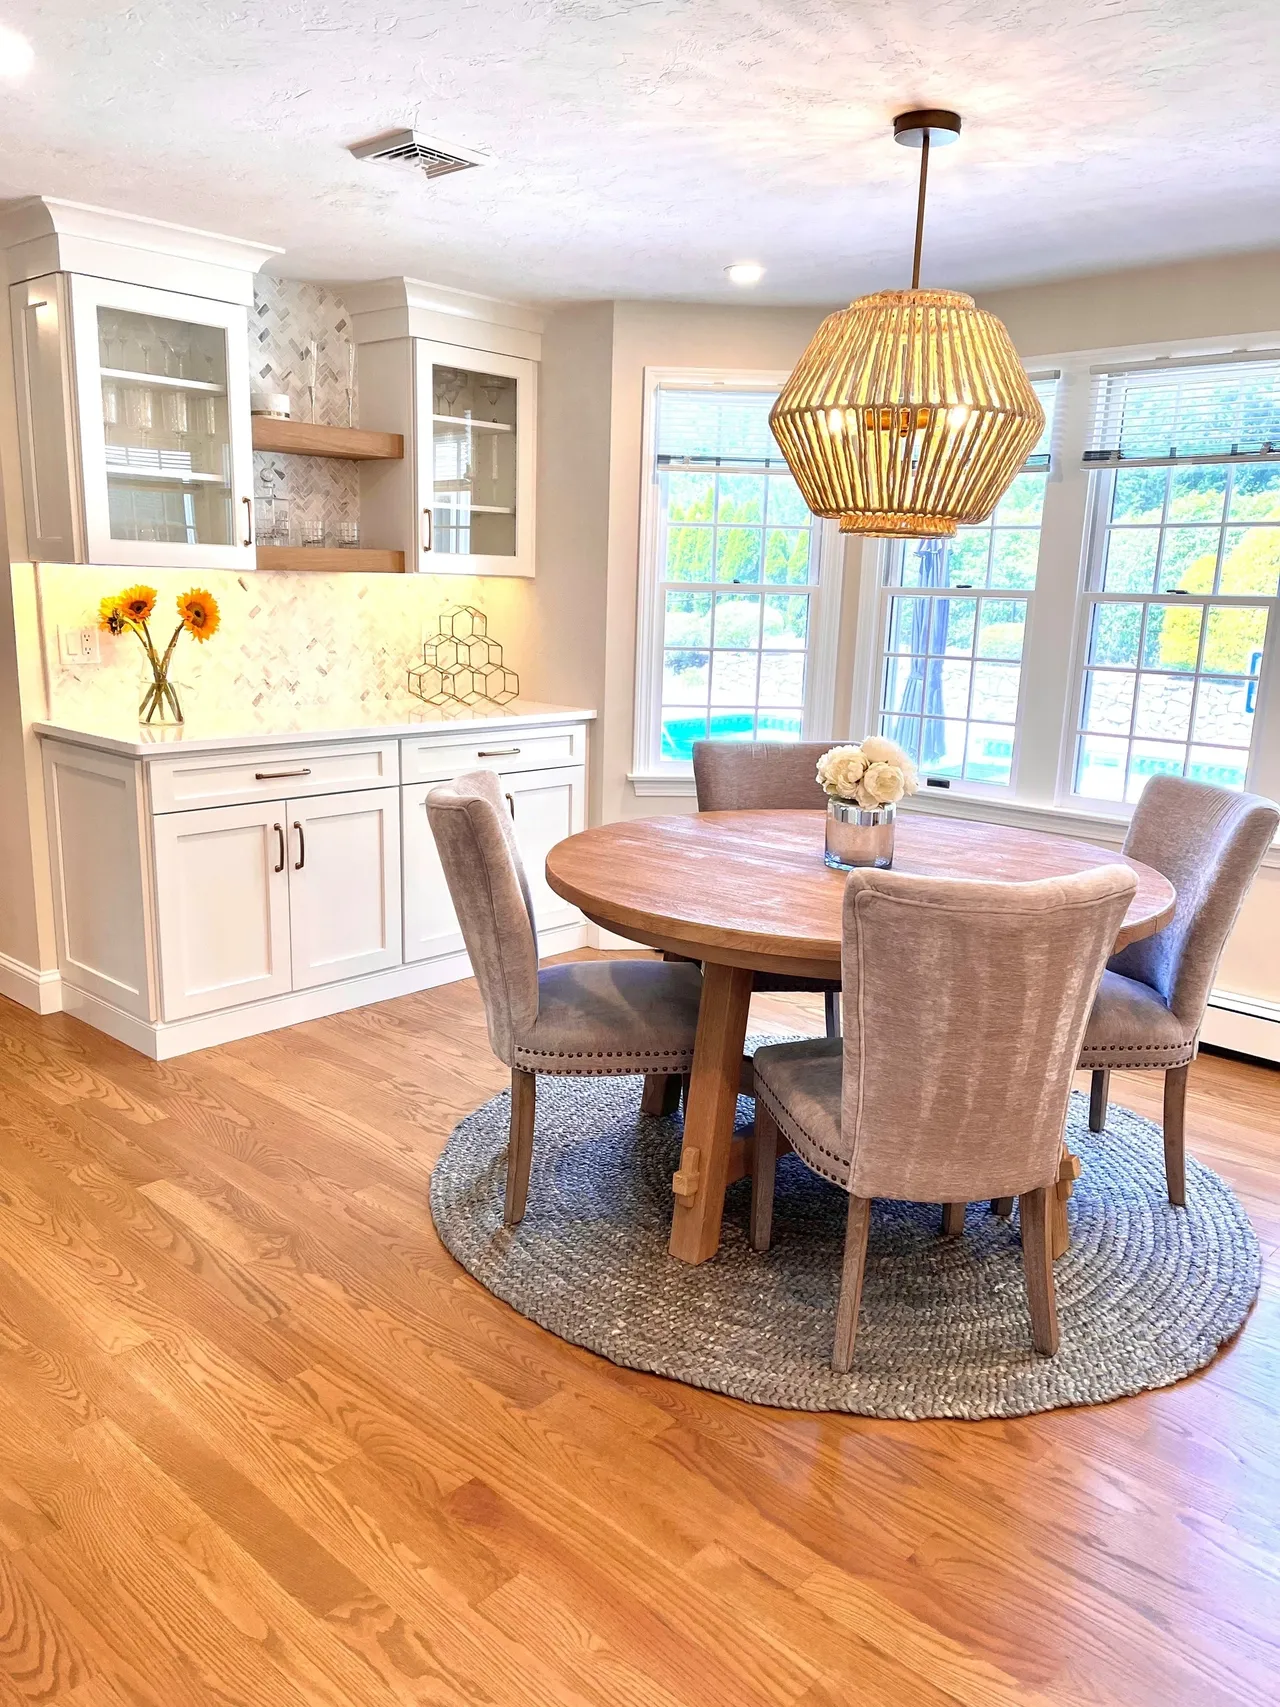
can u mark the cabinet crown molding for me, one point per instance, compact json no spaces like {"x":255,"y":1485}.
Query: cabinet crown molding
{"x":414,"y":308}
{"x":44,"y":234}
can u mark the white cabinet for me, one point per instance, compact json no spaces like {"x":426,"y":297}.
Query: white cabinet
{"x":212,"y":893}
{"x":344,"y":885}
{"x":462,"y":500}
{"x":222,"y":907}
{"x":134,"y":410}
{"x":546,"y":806}
{"x":253,"y":901}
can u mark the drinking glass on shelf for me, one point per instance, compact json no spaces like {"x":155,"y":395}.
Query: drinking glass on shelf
{"x":139,"y":412}
{"x":347,"y":535}
{"x":110,"y":403}
{"x":177,"y":415}
{"x":313,"y":533}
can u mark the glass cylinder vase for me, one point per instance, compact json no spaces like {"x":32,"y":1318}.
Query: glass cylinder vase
{"x":858,"y":837}
{"x":160,"y":703}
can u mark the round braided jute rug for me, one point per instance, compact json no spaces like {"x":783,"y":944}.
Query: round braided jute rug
{"x":1146,"y":1293}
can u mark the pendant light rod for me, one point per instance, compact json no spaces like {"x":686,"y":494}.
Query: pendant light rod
{"x":924,"y":185}
{"x":927,"y":126}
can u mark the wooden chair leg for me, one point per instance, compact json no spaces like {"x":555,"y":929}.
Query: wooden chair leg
{"x":855,"y":1259}
{"x":831,"y":1009}
{"x":764,"y":1165}
{"x":661,"y":1093}
{"x":524,"y":1089}
{"x":1099,"y":1094}
{"x":1037,"y":1265}
{"x":953,"y":1219}
{"x":1175,"y":1116}
{"x":1002,"y":1206}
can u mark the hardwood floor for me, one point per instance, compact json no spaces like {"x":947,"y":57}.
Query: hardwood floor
{"x":262,"y":1442}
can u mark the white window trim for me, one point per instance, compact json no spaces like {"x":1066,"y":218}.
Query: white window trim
{"x":651,"y":776}
{"x":1040,"y":792}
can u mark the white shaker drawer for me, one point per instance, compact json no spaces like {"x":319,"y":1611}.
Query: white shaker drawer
{"x":437,"y":758}
{"x":266,"y":773}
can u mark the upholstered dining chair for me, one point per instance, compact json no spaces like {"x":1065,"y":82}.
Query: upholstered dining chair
{"x":584,"y":1018}
{"x":965,"y":1003}
{"x":745,"y":776}
{"x":1209,"y":843}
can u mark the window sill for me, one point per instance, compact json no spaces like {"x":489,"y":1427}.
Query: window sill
{"x":1058,"y":820}
{"x":651,"y":785}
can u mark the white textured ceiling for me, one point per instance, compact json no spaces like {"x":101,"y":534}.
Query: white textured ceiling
{"x":639,"y":145}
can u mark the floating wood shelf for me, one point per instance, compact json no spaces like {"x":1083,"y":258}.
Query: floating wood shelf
{"x":336,"y":561}
{"x":306,"y":438}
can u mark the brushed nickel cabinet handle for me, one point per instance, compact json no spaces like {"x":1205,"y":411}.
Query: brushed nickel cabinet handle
{"x":278,"y":776}
{"x":248,"y":520}
{"x":497,"y":752}
{"x":279,"y":830}
{"x":429,"y":531}
{"x":302,"y":846}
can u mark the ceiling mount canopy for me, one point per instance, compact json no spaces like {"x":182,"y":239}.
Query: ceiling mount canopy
{"x":909,"y":413}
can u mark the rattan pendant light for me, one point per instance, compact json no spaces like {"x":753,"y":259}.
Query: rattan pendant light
{"x":909,"y":413}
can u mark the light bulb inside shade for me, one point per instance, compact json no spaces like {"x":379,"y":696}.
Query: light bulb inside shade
{"x":959,"y":415}
{"x":744,"y":273}
{"x":16,"y":53}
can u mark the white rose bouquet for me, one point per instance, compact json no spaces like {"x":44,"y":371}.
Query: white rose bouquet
{"x":873,"y":774}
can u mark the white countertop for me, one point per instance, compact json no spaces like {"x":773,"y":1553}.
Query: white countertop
{"x":245,"y":727}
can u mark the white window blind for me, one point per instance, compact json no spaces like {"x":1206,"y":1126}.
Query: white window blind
{"x":716,"y":429}
{"x":1173,"y":412}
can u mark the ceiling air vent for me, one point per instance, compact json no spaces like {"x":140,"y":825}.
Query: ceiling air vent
{"x":415,"y":149}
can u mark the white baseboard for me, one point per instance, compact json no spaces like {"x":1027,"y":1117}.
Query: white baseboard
{"x":163,"y":1041}
{"x":39,"y":991}
{"x":1246,"y":1024}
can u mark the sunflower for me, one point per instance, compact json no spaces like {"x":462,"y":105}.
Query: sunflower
{"x":136,"y":604}
{"x":199,"y":613}
{"x":110,"y":620}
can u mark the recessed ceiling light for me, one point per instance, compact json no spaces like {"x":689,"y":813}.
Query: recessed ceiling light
{"x":744,"y":273}
{"x":16,"y":53}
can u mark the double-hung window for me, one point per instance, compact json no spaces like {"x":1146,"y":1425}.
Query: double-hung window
{"x":953,"y":621}
{"x":735,"y":641}
{"x":1182,"y":577}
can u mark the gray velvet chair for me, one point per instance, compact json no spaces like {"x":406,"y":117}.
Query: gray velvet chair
{"x":745,"y":776}
{"x":964,"y":1008}
{"x":1209,"y":843}
{"x":592,"y":1018}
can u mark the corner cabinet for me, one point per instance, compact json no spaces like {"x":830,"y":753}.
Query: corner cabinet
{"x":205,"y":895}
{"x":136,"y":435}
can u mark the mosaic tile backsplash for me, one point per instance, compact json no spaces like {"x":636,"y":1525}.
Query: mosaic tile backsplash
{"x":287,"y":319}
{"x":287,"y":643}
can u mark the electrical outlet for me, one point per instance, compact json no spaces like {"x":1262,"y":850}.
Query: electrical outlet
{"x":80,"y":645}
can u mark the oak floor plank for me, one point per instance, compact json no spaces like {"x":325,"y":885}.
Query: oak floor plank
{"x":261,"y":1439}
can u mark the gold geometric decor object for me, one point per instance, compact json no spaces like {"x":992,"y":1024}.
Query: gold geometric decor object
{"x":909,"y":413}
{"x":461,"y":665}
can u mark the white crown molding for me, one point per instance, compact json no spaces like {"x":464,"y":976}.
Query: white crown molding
{"x":44,"y":234}
{"x":415,"y":308}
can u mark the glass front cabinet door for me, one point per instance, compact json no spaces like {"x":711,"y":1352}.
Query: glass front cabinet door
{"x":147,"y":393}
{"x":474,"y":437}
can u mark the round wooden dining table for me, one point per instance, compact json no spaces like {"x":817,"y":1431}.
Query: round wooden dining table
{"x":745,"y":892}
